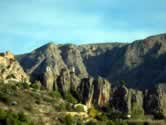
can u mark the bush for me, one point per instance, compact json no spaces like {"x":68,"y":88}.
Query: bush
{"x":10,"y":118}
{"x":36,"y":85}
{"x":93,"y":112}
{"x":159,"y":115}
{"x":3,"y":114}
{"x":5,"y":98}
{"x":22,"y":117}
{"x":69,"y":120}
{"x":68,"y":97}
{"x":79,"y":108}
{"x":102,"y":117}
{"x":23,"y":85}
{"x":91,"y":123}
{"x":55,"y":94}
{"x":61,"y":107}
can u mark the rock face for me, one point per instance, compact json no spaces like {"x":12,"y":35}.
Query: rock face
{"x":94,"y":91}
{"x":102,"y":91}
{"x":135,"y":103}
{"x":43,"y":64}
{"x":141,"y":64}
{"x":86,"y":91}
{"x":120,"y":99}
{"x":128,"y":101}
{"x":73,"y":60}
{"x":154,"y":100}
{"x":63,"y":81}
{"x":161,"y":89}
{"x":10,"y":68}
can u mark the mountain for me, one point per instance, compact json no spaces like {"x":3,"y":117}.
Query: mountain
{"x":84,"y":84}
{"x":140,"y":63}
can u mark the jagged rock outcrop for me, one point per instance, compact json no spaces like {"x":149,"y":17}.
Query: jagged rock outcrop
{"x":128,"y":101}
{"x":151,"y":102}
{"x":155,"y":100}
{"x":94,"y":91}
{"x":86,"y":91}
{"x":120,"y":99}
{"x":161,"y":90}
{"x":66,"y":82}
{"x":10,"y":69}
{"x":63,"y":81}
{"x":102,"y":91}
{"x":135,"y":104}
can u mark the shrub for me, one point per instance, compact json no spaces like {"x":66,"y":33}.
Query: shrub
{"x":23,"y":85}
{"x":5,"y":98}
{"x":79,"y":108}
{"x":55,"y":94}
{"x":3,"y":114}
{"x":68,"y":97}
{"x":69,"y":120}
{"x":91,"y":123}
{"x":92,"y":112}
{"x":61,"y":107}
{"x":10,"y":118}
{"x":22,"y":117}
{"x":159,"y":115}
{"x":102,"y":117}
{"x":36,"y":85}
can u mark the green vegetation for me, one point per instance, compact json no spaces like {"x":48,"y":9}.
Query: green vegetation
{"x":23,"y":85}
{"x":93,"y":112}
{"x":69,"y":97}
{"x":5,"y":98}
{"x":159,"y":115}
{"x":69,"y":120}
{"x":79,"y":108}
{"x":10,"y":118}
{"x":55,"y":94}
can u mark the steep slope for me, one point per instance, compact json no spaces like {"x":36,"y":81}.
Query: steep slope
{"x":141,"y":64}
{"x":72,"y":58}
{"x":43,"y":64}
{"x":10,"y":69}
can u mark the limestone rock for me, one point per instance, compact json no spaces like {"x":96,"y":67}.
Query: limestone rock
{"x":10,"y":69}
{"x":128,"y":101}
{"x":86,"y":91}
{"x":63,"y":81}
{"x":161,"y":90}
{"x":120,"y":99}
{"x":102,"y":91}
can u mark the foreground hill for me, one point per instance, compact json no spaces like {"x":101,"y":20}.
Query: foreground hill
{"x":141,"y":64}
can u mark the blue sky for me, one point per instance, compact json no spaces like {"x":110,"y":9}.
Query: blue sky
{"x":27,"y":24}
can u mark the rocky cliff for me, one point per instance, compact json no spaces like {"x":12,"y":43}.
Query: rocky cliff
{"x":10,"y":69}
{"x":88,"y":70}
{"x":141,"y":64}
